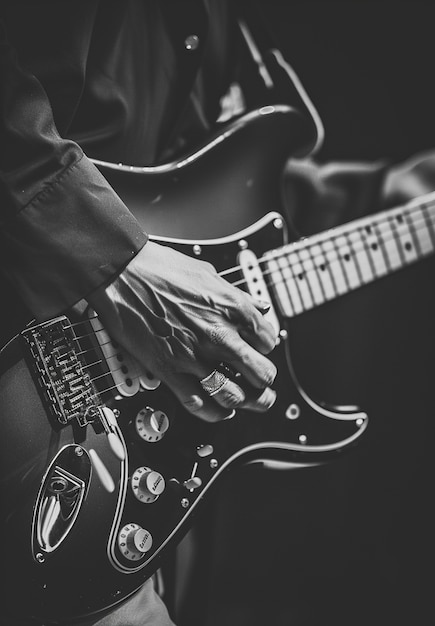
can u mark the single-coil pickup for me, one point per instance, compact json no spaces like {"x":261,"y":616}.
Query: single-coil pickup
{"x":256,"y":284}
{"x":126,"y":372}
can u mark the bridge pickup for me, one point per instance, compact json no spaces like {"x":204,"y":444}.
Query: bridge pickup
{"x":126,"y":372}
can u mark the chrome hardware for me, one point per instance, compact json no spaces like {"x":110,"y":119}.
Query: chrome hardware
{"x":293,"y":412}
{"x":147,"y":485}
{"x":204,"y":450}
{"x":151,"y":425}
{"x":134,"y":541}
{"x":193,"y":483}
{"x":59,"y":500}
{"x":68,"y":391}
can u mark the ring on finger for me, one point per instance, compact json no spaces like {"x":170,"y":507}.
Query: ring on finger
{"x":213,"y":382}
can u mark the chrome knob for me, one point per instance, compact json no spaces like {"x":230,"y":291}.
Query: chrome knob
{"x":134,"y":541}
{"x":151,"y":425}
{"x":147,"y":484}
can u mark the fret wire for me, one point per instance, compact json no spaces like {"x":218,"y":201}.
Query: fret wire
{"x":430,"y":226}
{"x":330,"y":270}
{"x":423,"y":236}
{"x":302,"y":284}
{"x":284,"y":298}
{"x":316,"y":275}
{"x":394,"y":220}
{"x":355,"y":257}
{"x":287,"y":290}
{"x":297,"y":293}
{"x":398,"y":259}
{"x":381,"y":244}
{"x":295,"y":283}
{"x":402,"y":225}
{"x":347,"y":260}
{"x":340,"y":262}
{"x":297,"y":289}
{"x":365,"y":232}
{"x":327,"y":274}
{"x":341,"y":280}
{"x":360,"y":248}
{"x":411,"y":229}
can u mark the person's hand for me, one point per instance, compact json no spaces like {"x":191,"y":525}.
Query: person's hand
{"x":180,"y":320}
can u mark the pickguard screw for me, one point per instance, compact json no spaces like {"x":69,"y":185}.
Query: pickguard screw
{"x":78,"y":451}
{"x":278,"y":222}
{"x":40,"y":557}
{"x":213,"y":463}
{"x":293,"y":412}
{"x":243,"y":244}
{"x":197,"y":249}
{"x":185,"y":503}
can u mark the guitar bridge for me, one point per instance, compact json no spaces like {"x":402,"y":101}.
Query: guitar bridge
{"x":67,"y":389}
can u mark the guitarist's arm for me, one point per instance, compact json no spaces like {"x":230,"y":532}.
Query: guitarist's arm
{"x":67,"y":236}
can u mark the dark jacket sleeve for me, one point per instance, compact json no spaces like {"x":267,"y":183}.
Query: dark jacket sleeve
{"x":64,"y":231}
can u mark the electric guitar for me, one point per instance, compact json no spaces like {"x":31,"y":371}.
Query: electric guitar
{"x":102,"y":471}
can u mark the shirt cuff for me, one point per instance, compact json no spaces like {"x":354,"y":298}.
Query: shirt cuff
{"x":74,"y":236}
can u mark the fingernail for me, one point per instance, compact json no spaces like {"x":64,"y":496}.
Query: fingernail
{"x":263,"y":306}
{"x":230,"y":416}
{"x":269,"y":398}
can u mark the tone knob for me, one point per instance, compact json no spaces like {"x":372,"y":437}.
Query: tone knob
{"x":147,"y":484}
{"x":151,"y":425}
{"x":134,"y":541}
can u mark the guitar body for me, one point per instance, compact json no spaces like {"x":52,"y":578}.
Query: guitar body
{"x":90,"y":504}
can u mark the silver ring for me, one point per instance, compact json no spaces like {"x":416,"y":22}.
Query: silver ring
{"x":213,"y":382}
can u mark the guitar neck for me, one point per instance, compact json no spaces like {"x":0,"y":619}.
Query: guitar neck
{"x":311,"y":271}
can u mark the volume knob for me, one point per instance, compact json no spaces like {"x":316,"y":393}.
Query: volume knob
{"x":151,"y":425}
{"x":134,"y":541}
{"x":147,"y":484}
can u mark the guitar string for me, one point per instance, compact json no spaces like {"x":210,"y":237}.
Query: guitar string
{"x":336,"y":257}
{"x":338,"y":253}
{"x":332,"y":255}
{"x":299,"y":246}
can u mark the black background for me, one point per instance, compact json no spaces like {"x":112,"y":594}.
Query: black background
{"x":369,"y":68}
